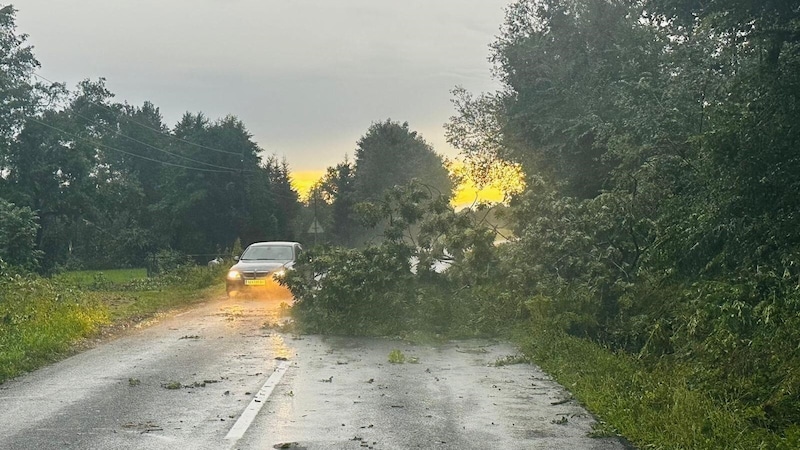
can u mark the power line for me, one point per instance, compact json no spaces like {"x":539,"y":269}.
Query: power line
{"x":60,"y":130}
{"x":161,"y":132}
{"x":117,"y":132}
{"x":154,"y":147}
{"x":32,"y":119}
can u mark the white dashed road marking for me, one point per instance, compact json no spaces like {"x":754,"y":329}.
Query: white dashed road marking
{"x":246,"y":419}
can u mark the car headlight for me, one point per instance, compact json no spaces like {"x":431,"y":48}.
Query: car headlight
{"x":279,"y":273}
{"x":234,"y":275}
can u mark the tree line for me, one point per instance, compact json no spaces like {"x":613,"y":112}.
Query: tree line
{"x":86,"y":182}
{"x":661,"y":147}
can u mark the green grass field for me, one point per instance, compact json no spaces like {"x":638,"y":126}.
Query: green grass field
{"x":85,"y":278}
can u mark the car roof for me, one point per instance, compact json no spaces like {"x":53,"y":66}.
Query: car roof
{"x":273,"y":243}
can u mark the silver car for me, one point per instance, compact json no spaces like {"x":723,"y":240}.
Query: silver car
{"x":260,"y":265}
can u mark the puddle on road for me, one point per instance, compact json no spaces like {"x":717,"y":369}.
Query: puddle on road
{"x":277,"y":346}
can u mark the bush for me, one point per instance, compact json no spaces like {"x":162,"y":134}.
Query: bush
{"x":165,"y":261}
{"x":40,"y":318}
{"x":18,"y":227}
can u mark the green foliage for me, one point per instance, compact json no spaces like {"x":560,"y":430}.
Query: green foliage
{"x":654,"y":406}
{"x":208,"y":210}
{"x":397,"y":357}
{"x":357,"y":292}
{"x":165,"y":261}
{"x":392,"y":287}
{"x":183,"y":275}
{"x":17,"y":94}
{"x":18,"y":229}
{"x":85,"y":278}
{"x":111,"y":184}
{"x":659,"y":140}
{"x":346,"y":201}
{"x":390,"y":155}
{"x":563,"y":64}
{"x":40,"y":319}
{"x":740,"y":337}
{"x":334,"y":199}
{"x":237,"y":249}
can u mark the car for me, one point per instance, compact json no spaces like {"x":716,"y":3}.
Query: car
{"x":260,"y":266}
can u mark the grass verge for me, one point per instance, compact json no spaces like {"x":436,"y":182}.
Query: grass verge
{"x":41,"y":320}
{"x":653,"y":407}
{"x":86,"y":278}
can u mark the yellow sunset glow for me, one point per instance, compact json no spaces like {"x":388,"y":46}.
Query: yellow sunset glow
{"x":500,"y":181}
{"x":304,"y":180}
{"x":467,"y":194}
{"x":504,"y":180}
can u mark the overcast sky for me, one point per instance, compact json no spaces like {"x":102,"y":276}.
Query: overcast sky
{"x":307,"y":77}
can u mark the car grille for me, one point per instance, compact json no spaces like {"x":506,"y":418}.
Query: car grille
{"x":252,"y":275}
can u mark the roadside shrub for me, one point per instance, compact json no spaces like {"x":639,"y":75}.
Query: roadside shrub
{"x":165,"y":261}
{"x":193,"y":276}
{"x":18,"y":228}
{"x":40,"y":318}
{"x":743,"y":335}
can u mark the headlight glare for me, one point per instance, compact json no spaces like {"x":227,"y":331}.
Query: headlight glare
{"x":234,"y":275}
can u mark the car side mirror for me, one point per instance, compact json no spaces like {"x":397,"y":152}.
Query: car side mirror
{"x":236,"y":258}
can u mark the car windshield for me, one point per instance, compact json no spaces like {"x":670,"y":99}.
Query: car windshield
{"x":271,"y":253}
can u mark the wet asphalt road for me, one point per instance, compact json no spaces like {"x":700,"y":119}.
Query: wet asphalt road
{"x":221,"y":376}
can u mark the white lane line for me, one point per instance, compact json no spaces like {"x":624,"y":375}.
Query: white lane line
{"x":246,"y":419}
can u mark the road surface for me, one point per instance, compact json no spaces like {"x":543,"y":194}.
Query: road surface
{"x":223,"y":376}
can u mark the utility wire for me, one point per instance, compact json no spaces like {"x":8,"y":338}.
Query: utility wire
{"x":272,"y":191}
{"x":161,"y":132}
{"x":117,"y":132}
{"x":154,"y":147}
{"x":32,"y":119}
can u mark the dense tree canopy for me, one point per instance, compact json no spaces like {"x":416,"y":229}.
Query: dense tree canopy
{"x":662,"y":152}
{"x":109,"y":184}
{"x":337,"y":189}
{"x":390,"y":155}
{"x":686,"y":110}
{"x":17,"y":95}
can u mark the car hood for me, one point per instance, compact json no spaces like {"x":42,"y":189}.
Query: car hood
{"x":260,"y":265}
